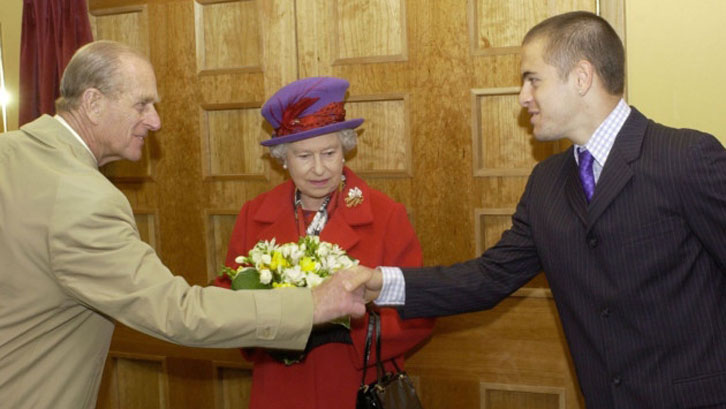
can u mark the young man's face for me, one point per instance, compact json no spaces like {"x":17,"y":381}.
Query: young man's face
{"x":551,"y":101}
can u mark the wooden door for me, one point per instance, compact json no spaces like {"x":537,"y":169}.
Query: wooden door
{"x":436,"y":81}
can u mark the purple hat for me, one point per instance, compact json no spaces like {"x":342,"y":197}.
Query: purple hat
{"x":306,"y":108}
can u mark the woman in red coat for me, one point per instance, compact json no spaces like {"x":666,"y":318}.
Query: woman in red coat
{"x":325,"y":198}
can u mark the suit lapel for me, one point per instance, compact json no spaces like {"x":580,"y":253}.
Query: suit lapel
{"x":617,"y":171}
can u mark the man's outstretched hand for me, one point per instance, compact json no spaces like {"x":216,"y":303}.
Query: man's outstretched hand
{"x":339,"y":296}
{"x":346,"y":293}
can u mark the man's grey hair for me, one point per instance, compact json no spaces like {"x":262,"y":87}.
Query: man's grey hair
{"x":96,"y":65}
{"x":348,"y":139}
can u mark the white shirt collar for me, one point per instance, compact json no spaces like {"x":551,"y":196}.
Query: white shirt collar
{"x":601,"y":142}
{"x":74,"y":133}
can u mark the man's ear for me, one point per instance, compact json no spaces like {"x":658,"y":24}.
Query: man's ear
{"x":93,"y":103}
{"x":584,"y":73}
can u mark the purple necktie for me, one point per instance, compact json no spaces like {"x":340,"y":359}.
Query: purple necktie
{"x":586,"y":176}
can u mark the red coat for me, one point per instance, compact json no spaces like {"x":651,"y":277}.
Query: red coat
{"x":376,"y":232}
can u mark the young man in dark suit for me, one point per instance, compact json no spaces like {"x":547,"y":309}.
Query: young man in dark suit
{"x":629,"y":225}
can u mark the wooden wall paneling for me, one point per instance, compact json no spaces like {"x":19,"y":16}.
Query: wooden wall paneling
{"x":368,"y":31}
{"x":191,"y":381}
{"x":232,"y":386}
{"x":505,"y":396}
{"x":235,"y":167}
{"x":489,"y":226}
{"x":517,"y":343}
{"x":220,"y":223}
{"x":127,"y":24}
{"x":384,"y":146}
{"x":231,"y":136}
{"x":502,"y":141}
{"x":497,"y":27}
{"x":134,"y":381}
{"x":227,"y":36}
{"x":490,"y":223}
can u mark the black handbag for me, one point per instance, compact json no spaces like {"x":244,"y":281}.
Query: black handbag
{"x":389,"y":390}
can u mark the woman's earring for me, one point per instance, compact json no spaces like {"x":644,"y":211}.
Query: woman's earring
{"x":284,"y":165}
{"x":343,"y":160}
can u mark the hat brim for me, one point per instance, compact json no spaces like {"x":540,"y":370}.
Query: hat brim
{"x":353,"y":123}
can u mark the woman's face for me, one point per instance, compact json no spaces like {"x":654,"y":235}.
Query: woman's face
{"x":315,"y":166}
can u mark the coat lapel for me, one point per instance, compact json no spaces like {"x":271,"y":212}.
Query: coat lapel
{"x":617,"y":171}
{"x":341,"y":228}
{"x":278,"y":213}
{"x":51,"y":132}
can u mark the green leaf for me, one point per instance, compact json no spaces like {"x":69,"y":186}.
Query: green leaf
{"x":248,"y":279}
{"x":228,"y":271}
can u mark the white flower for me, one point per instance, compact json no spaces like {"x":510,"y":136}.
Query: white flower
{"x":265,"y":276}
{"x":313,"y":280}
{"x":293,"y":275}
{"x":323,"y":250}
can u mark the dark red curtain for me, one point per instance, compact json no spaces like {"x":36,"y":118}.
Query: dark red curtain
{"x":52,"y":31}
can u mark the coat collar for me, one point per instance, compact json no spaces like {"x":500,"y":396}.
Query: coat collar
{"x":615,"y":174}
{"x":49,"y":131}
{"x":277,"y":212}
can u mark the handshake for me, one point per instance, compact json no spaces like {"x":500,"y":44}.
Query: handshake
{"x":346,"y":293}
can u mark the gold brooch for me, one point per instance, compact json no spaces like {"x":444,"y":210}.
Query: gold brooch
{"x":355,"y":197}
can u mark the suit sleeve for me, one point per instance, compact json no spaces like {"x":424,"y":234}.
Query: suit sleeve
{"x":100,"y":260}
{"x":399,"y":336}
{"x":704,"y":195}
{"x":480,"y":283}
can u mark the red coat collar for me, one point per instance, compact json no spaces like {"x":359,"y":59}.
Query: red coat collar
{"x":277,"y":211}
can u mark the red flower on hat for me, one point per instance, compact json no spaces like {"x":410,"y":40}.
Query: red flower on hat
{"x":292,"y":122}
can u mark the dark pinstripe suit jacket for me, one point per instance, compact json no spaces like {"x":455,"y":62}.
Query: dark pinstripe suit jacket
{"x":638,"y":275}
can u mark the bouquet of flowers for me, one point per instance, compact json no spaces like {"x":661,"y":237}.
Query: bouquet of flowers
{"x":306,"y":263}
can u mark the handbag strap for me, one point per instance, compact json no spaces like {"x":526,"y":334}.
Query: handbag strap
{"x":367,"y":352}
{"x":374,"y":329}
{"x":379,"y":365}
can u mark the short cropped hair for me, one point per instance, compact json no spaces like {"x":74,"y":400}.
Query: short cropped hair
{"x":348,"y":139}
{"x":95,"y":65}
{"x":578,"y":35}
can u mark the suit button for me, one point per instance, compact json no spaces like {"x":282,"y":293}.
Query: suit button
{"x":605,"y":313}
{"x":592,"y":241}
{"x":617,"y":381}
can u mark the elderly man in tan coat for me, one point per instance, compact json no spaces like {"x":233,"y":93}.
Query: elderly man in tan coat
{"x":72,"y":262}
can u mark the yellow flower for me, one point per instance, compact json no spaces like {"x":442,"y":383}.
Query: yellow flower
{"x":307,"y":264}
{"x":278,"y":261}
{"x":282,"y":285}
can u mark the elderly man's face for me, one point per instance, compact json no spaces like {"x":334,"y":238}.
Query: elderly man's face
{"x":316,"y":167}
{"x":130,"y":115}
